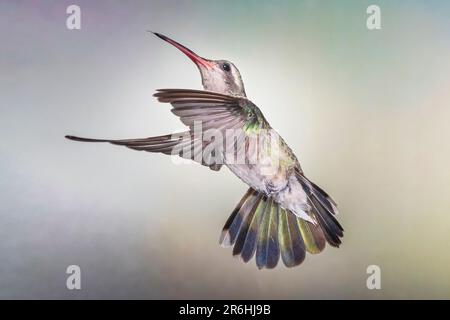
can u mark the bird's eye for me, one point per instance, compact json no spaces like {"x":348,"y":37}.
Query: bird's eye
{"x":226,"y":67}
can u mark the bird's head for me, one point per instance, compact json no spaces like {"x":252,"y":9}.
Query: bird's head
{"x":217,"y":75}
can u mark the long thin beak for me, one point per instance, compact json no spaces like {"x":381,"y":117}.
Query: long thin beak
{"x":199,"y":61}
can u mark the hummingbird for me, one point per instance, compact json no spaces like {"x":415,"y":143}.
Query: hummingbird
{"x":283,"y":213}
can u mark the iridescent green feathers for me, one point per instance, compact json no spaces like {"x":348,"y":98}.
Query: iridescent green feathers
{"x":260,"y":227}
{"x":213,"y":110}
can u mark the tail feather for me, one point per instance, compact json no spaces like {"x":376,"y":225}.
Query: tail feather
{"x":267,"y":249}
{"x":312,"y":235}
{"x":246,"y":225}
{"x":323,"y":208}
{"x":237,"y":218}
{"x":330,"y":226}
{"x":291,"y":243}
{"x":249,"y":246}
{"x":260,"y":225}
{"x":316,"y":192}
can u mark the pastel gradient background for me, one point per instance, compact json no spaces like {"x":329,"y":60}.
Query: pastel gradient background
{"x":367,"y":113}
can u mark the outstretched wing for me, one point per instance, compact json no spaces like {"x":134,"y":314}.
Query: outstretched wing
{"x":208,"y":116}
{"x":222,"y":122}
{"x":214,"y":110}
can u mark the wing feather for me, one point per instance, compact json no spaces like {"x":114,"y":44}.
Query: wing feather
{"x":213,"y":110}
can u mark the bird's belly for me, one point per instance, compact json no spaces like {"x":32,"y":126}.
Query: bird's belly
{"x":263,"y":164}
{"x":266,"y":179}
{"x":285,"y":190}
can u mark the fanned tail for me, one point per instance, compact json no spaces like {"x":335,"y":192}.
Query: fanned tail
{"x":260,"y":227}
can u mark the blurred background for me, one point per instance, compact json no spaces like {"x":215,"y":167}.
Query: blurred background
{"x":367,"y":113}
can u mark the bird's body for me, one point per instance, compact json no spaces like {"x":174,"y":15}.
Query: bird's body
{"x":283,"y":213}
{"x":274,"y":173}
